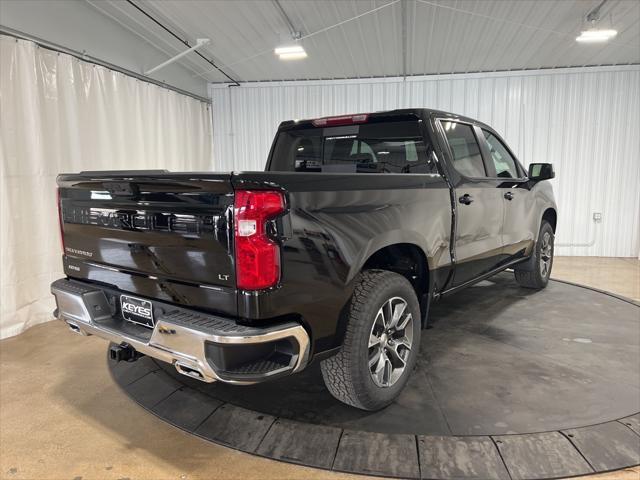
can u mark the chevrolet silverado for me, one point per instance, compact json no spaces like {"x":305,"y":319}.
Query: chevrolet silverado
{"x":333,"y":254}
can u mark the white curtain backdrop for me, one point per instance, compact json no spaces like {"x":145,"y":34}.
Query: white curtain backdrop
{"x":60,"y":114}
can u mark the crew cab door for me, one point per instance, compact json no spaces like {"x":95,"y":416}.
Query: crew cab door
{"x":518,"y":233}
{"x":479,"y":202}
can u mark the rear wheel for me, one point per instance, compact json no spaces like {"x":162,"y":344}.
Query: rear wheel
{"x":535,"y":272}
{"x":381,"y":343}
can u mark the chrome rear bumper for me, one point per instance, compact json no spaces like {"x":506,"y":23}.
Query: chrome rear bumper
{"x":201,"y":346}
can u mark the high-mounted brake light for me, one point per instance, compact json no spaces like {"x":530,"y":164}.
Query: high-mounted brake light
{"x":343,"y":120}
{"x":60,"y":221}
{"x":257,"y":254}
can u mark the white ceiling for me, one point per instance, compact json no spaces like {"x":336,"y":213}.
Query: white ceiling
{"x":401,"y":37}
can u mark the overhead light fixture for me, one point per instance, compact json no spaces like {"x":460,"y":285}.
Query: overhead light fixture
{"x":292,"y":52}
{"x":595,"y":35}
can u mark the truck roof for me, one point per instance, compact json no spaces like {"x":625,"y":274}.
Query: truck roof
{"x":418,"y":112}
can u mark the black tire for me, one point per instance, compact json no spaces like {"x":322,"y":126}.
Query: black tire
{"x":348,"y":374}
{"x":535,"y":272}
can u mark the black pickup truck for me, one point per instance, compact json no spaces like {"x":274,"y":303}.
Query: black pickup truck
{"x":333,"y":254}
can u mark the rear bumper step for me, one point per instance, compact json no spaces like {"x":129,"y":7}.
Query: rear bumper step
{"x":201,"y":346}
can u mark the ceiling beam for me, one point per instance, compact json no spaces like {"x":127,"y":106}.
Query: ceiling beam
{"x":184,"y":42}
{"x":295,"y":33}
{"x":199,"y":43}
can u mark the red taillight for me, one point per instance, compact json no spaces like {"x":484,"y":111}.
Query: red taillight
{"x":257,"y":255}
{"x":59,"y":203}
{"x":343,"y":120}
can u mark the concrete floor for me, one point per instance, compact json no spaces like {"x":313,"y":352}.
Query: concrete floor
{"x":62,"y":416}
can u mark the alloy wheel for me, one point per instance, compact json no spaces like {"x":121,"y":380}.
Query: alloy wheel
{"x":390,"y":342}
{"x":546,"y":254}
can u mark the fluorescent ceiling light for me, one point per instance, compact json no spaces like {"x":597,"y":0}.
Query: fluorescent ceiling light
{"x":293,"y":52}
{"x":293,"y":56}
{"x":594,"y":35}
{"x":289,"y":49}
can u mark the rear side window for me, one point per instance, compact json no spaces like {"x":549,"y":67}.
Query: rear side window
{"x":382,"y":147}
{"x":502,"y":159}
{"x":467,"y":158}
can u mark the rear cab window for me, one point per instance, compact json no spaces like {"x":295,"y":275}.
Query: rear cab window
{"x":378,"y":146}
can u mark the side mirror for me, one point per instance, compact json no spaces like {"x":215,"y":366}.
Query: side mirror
{"x":541,"y":171}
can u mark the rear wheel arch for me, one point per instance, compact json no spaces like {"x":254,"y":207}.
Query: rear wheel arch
{"x":349,"y":374}
{"x":395,"y":258}
{"x":408,"y":260}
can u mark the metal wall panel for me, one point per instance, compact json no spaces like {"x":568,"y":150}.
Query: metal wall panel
{"x":586,"y":121}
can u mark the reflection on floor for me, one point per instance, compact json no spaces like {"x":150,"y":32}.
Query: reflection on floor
{"x":617,"y":275}
{"x":61,"y":415}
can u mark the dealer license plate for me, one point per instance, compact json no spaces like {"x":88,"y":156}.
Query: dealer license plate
{"x":137,"y":310}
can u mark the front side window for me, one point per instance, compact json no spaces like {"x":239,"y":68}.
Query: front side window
{"x":467,"y":158}
{"x":376,"y":147}
{"x":502,"y":159}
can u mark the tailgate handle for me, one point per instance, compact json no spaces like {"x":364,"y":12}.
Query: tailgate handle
{"x":121,"y":189}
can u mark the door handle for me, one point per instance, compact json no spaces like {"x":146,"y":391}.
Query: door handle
{"x":508,"y":196}
{"x":466,"y":199}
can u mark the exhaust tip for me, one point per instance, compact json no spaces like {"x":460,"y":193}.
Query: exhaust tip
{"x":76,"y":329}
{"x":73,"y":327}
{"x":189,"y":371}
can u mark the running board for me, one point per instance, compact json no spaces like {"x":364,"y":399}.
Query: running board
{"x":484,"y":276}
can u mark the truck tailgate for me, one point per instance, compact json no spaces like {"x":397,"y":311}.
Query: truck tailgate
{"x":160,"y":235}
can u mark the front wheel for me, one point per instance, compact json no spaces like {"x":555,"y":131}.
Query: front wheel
{"x":381,"y":342}
{"x":536,"y":271}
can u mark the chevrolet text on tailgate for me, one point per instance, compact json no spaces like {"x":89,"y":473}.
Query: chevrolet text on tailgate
{"x":334,"y":254}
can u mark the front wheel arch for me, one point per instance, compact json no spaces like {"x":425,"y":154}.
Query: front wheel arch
{"x":529,"y":274}
{"x":551,"y":216}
